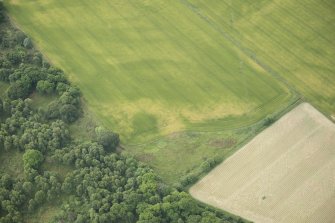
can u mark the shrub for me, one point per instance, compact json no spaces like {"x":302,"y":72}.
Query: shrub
{"x":268,"y":121}
{"x":45,"y":87}
{"x":107,"y":138}
{"x":27,"y":43}
{"x":32,"y":159}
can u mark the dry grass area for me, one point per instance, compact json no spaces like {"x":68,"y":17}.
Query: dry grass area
{"x":285,"y":174}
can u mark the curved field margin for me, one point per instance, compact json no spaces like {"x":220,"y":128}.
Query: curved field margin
{"x":285,"y":174}
{"x":295,"y":38}
{"x":151,"y":68}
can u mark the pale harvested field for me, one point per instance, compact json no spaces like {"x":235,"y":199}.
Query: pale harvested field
{"x":285,"y":174}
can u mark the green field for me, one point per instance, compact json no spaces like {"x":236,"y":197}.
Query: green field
{"x":295,"y":38}
{"x":174,"y":77}
{"x":151,"y":68}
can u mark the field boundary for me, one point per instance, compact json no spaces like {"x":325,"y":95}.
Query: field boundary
{"x":295,"y":95}
{"x":295,"y":100}
{"x":197,"y":174}
{"x":247,"y":52}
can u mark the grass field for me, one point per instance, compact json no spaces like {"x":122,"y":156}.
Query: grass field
{"x":294,"y":38}
{"x":151,"y":68}
{"x":182,"y":153}
{"x":167,"y":155}
{"x":285,"y":174}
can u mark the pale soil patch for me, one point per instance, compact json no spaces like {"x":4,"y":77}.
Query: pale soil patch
{"x":285,"y":174}
{"x":170,"y":118}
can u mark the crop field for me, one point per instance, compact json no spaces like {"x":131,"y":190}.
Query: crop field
{"x":150,"y":68}
{"x":292,"y":38}
{"x":174,"y":77}
{"x":285,"y":174}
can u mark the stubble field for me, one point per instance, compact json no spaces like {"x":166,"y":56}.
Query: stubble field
{"x":285,"y":174}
